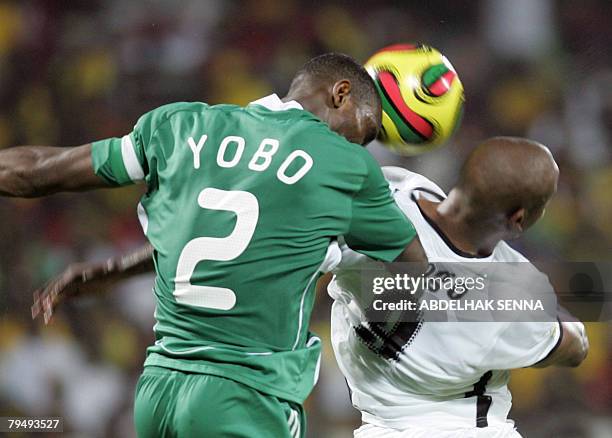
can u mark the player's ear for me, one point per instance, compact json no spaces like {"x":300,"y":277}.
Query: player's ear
{"x":340,"y":92}
{"x":516,"y":221}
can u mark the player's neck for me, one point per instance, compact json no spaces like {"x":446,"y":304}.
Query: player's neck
{"x":311,"y":102}
{"x":455,"y":222}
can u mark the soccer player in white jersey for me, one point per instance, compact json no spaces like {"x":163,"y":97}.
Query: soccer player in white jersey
{"x":449,"y":379}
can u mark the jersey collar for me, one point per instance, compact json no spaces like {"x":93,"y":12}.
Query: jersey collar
{"x":274,"y":103}
{"x":414,"y":195}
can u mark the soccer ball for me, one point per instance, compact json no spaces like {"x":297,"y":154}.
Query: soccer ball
{"x":422,"y":97}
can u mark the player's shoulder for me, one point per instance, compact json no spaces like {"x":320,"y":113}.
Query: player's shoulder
{"x":330,"y":138}
{"x":162,"y":113}
{"x":405,"y":182}
{"x":187,"y":111}
{"x":522,"y":279}
{"x":527,"y":273}
{"x":338,"y":152}
{"x":506,"y":253}
{"x":170,"y":109}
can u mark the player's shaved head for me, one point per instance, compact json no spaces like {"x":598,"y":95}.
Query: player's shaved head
{"x":503,"y":189}
{"x":339,"y":91}
{"x":506,"y":174}
{"x":333,"y":67}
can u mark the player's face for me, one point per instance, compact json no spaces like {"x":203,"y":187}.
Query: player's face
{"x":356,"y":120}
{"x":357,"y":123}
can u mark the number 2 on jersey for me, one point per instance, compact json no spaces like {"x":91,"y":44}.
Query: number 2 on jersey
{"x":246,"y":208}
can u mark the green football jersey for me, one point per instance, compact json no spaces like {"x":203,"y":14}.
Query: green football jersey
{"x":241,"y":206}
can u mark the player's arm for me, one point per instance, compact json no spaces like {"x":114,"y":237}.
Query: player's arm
{"x":88,"y":278}
{"x":413,"y":253}
{"x":538,"y":344}
{"x":322,"y":284}
{"x":573,"y":346}
{"x":379,"y":229}
{"x":31,"y":171}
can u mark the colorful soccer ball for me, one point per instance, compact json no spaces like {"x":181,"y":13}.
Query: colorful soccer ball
{"x":422,"y":97}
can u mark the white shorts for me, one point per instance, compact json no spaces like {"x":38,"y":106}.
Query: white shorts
{"x":499,"y":431}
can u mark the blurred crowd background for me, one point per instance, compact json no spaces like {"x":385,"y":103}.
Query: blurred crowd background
{"x":75,"y":71}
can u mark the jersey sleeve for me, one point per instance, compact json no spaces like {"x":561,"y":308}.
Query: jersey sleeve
{"x":524,"y":344}
{"x":123,"y":161}
{"x":378,"y":227}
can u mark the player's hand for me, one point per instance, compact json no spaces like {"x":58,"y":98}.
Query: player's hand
{"x":77,"y":279}
{"x":87,"y":278}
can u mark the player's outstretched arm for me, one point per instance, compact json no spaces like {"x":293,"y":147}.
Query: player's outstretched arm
{"x":88,"y":278}
{"x":573,"y":347}
{"x":32,"y":171}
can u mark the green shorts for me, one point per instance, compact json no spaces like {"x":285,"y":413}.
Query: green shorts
{"x":171,"y":403}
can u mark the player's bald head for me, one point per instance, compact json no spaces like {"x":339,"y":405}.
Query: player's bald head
{"x":506,"y":174}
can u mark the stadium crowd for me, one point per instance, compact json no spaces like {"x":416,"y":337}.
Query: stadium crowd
{"x":72,"y":72}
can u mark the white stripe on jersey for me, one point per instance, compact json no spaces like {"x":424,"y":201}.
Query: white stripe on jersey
{"x":294,"y":423}
{"x":130,"y":160}
{"x":143,"y":218}
{"x":332,"y":258}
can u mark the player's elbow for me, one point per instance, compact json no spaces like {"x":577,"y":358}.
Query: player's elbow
{"x":414,"y":255}
{"x":579,"y":351}
{"x":578,"y":345}
{"x":572,"y":350}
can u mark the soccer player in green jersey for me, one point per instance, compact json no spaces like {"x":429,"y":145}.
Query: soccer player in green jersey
{"x":240,"y":209}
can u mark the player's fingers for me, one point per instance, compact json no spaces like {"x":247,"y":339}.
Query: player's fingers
{"x":65,"y":286}
{"x":47,"y":316}
{"x":47,"y":309}
{"x":55,"y":292}
{"x":36,"y":307}
{"x":60,"y":287}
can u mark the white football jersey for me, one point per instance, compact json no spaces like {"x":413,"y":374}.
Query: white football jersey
{"x":446,"y":374}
